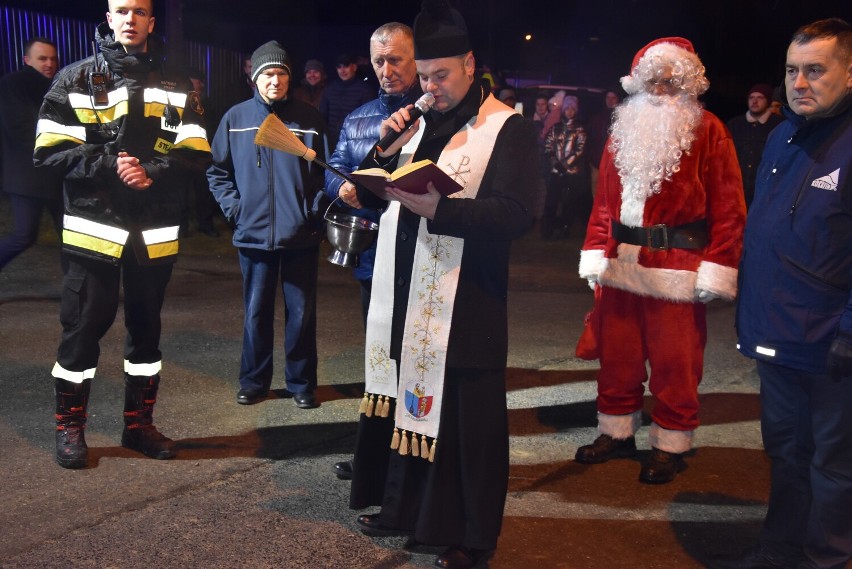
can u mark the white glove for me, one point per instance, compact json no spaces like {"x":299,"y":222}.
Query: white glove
{"x":705,"y":296}
{"x":593,"y":280}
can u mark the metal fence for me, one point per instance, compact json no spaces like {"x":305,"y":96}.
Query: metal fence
{"x":73,"y":39}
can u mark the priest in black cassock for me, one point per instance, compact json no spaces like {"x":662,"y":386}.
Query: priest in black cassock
{"x":433,"y":442}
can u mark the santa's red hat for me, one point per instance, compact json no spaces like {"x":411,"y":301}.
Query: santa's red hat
{"x":681,"y":43}
{"x":674,"y":52}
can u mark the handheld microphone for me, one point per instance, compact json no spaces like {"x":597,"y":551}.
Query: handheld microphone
{"x":422,"y":105}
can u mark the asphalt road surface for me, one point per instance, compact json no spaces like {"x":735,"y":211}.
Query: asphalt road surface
{"x":253,"y":486}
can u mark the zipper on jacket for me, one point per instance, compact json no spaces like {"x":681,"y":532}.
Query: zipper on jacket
{"x":271,"y":185}
{"x":799,"y":196}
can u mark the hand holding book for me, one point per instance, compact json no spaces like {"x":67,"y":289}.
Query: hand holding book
{"x":411,"y":178}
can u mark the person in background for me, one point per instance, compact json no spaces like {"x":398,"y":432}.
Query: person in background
{"x":794,"y":315}
{"x":664,"y":238}
{"x":554,"y":114}
{"x":343,"y":96}
{"x":507,"y":97}
{"x":568,"y":195}
{"x":312,"y":85}
{"x":30,"y":190}
{"x":200,"y":198}
{"x":539,"y":116}
{"x":775,"y":105}
{"x":240,"y":88}
{"x":749,"y":132}
{"x":392,"y":56}
{"x":437,"y":362}
{"x":274,"y":202}
{"x":126,"y":131}
{"x":248,"y":86}
{"x":540,"y":112}
{"x":598,"y":131}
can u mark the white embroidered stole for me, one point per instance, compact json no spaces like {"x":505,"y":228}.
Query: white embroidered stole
{"x":434,"y":281}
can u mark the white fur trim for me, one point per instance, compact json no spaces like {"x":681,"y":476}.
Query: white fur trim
{"x":632,"y":208}
{"x":669,"y":52}
{"x":677,"y":442}
{"x":718,"y":279}
{"x":626,"y":273}
{"x":619,"y":426}
{"x":591,"y":263}
{"x":631,"y":85}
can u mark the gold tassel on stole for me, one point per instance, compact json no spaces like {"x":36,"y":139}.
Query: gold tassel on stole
{"x":400,"y":442}
{"x":386,"y":407}
{"x":371,"y":406}
{"x":362,"y":409}
{"x":403,"y":444}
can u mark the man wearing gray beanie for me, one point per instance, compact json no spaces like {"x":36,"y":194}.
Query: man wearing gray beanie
{"x":275,"y":203}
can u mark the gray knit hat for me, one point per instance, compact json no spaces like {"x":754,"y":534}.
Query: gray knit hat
{"x":315,"y":65}
{"x":270,"y":54}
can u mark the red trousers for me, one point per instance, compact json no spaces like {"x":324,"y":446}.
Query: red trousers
{"x":671,"y":337}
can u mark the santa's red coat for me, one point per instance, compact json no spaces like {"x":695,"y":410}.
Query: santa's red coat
{"x":708,"y":186}
{"x":657,"y":318}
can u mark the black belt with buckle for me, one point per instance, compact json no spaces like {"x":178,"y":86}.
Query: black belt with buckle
{"x":662,"y":237}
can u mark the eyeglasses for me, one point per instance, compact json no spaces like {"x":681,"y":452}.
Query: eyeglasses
{"x":661,"y":82}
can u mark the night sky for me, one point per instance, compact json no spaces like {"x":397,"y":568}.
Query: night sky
{"x":581,"y":42}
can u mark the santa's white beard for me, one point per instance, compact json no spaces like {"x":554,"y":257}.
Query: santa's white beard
{"x":650,"y":133}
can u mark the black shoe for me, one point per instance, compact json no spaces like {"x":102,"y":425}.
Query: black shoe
{"x":149,"y":441}
{"x":251,"y":396}
{"x":343,"y":469}
{"x":604,"y":448}
{"x":661,"y":467}
{"x":305,"y":400}
{"x":371,"y":524}
{"x":460,"y":558}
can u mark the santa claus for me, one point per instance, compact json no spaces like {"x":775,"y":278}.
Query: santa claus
{"x":663,"y":239}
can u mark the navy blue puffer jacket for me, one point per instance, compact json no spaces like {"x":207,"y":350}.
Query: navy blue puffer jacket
{"x":359,"y":134}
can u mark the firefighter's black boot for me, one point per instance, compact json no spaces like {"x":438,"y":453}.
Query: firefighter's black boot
{"x":140,"y":434}
{"x":71,"y":401}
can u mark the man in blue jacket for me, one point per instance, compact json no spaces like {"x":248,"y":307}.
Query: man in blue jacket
{"x":795,"y":307}
{"x":392,"y":57}
{"x":274,"y":201}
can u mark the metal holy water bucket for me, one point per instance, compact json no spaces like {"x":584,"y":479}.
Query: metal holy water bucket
{"x":349,"y":235}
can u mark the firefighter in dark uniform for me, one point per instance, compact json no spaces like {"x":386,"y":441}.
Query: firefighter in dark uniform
{"x":127,"y":131}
